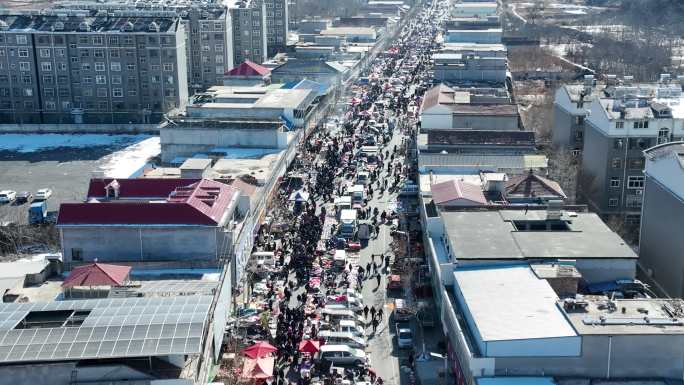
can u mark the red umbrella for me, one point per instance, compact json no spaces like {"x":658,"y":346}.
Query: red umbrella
{"x":309,"y":346}
{"x":259,"y":349}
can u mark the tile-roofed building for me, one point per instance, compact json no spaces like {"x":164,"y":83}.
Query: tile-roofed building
{"x":444,"y":107}
{"x":248,"y":68}
{"x":533,"y":188}
{"x":148,"y":220}
{"x":457,"y":193}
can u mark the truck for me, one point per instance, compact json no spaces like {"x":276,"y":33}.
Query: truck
{"x":348,"y":224}
{"x":37,"y":212}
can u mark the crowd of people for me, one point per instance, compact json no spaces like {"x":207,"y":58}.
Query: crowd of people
{"x":305,"y":278}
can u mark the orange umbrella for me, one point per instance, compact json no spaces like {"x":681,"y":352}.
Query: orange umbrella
{"x":309,"y":346}
{"x":259,"y":349}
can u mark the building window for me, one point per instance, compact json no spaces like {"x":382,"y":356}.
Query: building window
{"x":115,"y":66}
{"x":613,"y":202}
{"x":620,"y":124}
{"x":616,"y":163}
{"x":635,"y":182}
{"x":101,"y":92}
{"x":636,"y":163}
{"x":641,"y":124}
{"x":46,"y":66}
{"x":117,"y":93}
{"x":97,"y":40}
{"x":49,"y":92}
{"x":23,"y":52}
{"x":639,"y":143}
{"x":101,"y":79}
{"x":663,"y":135}
{"x":132,"y":93}
{"x":633,"y":201}
{"x":114,"y":53}
{"x":87,"y":80}
{"x":168,"y":67}
{"x":130,"y":67}
{"x":99,"y":66}
{"x":50,"y":106}
{"x":45,"y":53}
{"x":85,"y":66}
{"x":24,"y":66}
{"x":21,"y":39}
{"x":77,"y":254}
{"x":116,"y":79}
{"x":614,"y":182}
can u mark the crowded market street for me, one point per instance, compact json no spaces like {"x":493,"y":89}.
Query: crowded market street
{"x":334,"y":279}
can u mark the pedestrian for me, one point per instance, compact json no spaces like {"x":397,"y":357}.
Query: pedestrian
{"x":380,"y":314}
{"x":375,"y":325}
{"x":377,"y":276}
{"x":372,"y":311}
{"x":365,"y":311}
{"x":387,"y":260}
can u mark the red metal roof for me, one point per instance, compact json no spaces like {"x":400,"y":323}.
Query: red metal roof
{"x":144,"y":188}
{"x":248,"y":68}
{"x":453,"y":190}
{"x":97,"y":274}
{"x":200,"y":203}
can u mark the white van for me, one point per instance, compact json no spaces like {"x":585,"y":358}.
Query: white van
{"x":342,"y":338}
{"x":336,"y":315}
{"x":347,"y":326}
{"x":343,"y":354}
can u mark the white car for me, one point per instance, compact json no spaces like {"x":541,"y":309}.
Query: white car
{"x":43,"y":194}
{"x":343,"y":354}
{"x":7,"y":196}
{"x":404,"y":335}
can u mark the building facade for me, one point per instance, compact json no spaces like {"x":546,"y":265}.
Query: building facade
{"x":248,"y":23}
{"x":622,"y":122}
{"x":90,"y":67}
{"x":661,"y":248}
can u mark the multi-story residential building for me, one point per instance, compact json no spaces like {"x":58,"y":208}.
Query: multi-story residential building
{"x":208,"y":39}
{"x":88,"y":66}
{"x":247,"y":22}
{"x":277,"y":25}
{"x":661,"y":247}
{"x":622,"y":122}
{"x":570,"y":109}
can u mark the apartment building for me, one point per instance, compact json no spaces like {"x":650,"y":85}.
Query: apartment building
{"x":661,"y":248}
{"x":277,"y":25}
{"x":88,"y":66}
{"x":247,"y":22}
{"x":622,"y":122}
{"x":570,"y":109}
{"x":208,"y":40}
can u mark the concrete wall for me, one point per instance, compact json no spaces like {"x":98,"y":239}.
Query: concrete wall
{"x":183,"y":142}
{"x":137,"y":244}
{"x":80,"y":128}
{"x":603,"y":270}
{"x":486,"y":122}
{"x":654,"y":358}
{"x":661,"y":247}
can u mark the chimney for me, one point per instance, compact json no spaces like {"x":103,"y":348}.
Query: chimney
{"x":554,"y":210}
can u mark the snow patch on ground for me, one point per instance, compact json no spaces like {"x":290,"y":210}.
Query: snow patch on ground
{"x":128,"y":161}
{"x":27,"y":143}
{"x":563,"y":49}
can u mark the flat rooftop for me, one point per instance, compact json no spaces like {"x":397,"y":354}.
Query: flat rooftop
{"x":480,"y":162}
{"x":510,"y":303}
{"x":253,"y":97}
{"x":486,"y":235}
{"x":88,"y":21}
{"x":627,"y":316}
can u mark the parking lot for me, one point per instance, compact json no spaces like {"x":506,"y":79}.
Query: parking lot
{"x":65,"y":170}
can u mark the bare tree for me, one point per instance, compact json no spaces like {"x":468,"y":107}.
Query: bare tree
{"x":564,"y":169}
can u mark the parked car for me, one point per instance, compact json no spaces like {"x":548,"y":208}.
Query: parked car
{"x":23,"y":197}
{"x":343,"y":354}
{"x":404,"y":334}
{"x":43,"y":194}
{"x":37,"y":213}
{"x":7,"y":196}
{"x":342,"y":338}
